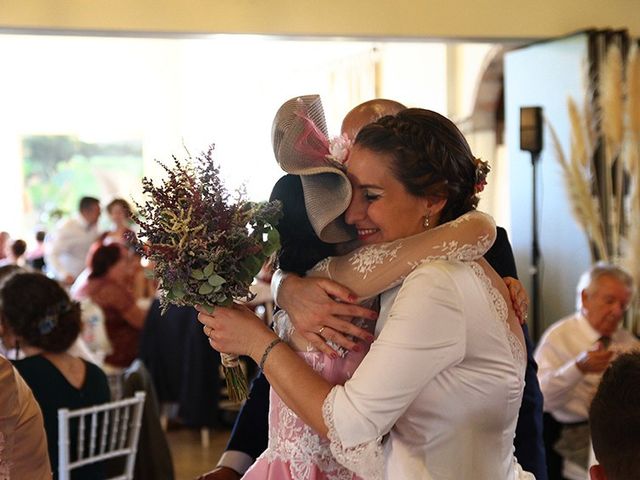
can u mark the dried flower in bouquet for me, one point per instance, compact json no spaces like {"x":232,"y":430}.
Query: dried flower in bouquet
{"x":206,"y":247}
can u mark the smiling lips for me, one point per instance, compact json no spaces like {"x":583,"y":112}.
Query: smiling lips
{"x":364,"y":233}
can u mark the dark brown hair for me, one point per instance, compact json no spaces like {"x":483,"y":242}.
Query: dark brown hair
{"x":103,"y":258}
{"x":18,"y":247}
{"x":87,"y":202}
{"x":122,"y":202}
{"x":39,"y":310}
{"x":614,"y":418}
{"x":431,"y":157}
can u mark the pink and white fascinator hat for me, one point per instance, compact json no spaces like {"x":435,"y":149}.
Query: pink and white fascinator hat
{"x":301,"y":147}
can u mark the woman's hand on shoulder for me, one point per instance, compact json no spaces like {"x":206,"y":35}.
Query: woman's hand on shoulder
{"x":519,"y":298}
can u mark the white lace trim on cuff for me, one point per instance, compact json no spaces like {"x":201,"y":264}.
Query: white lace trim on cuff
{"x":365,"y":459}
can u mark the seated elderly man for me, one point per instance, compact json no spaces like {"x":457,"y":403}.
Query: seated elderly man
{"x":614,"y":418}
{"x":572,"y":355}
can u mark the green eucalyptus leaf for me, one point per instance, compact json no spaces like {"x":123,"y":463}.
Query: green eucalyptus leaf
{"x":216,"y":280}
{"x":273,"y":237}
{"x":149,"y":274}
{"x":205,"y":289}
{"x":258,"y":261}
{"x":208,"y":270}
{"x":178,"y":290}
{"x":270,"y":249}
{"x":245,"y":277}
{"x":197,"y":274}
{"x":208,"y":308}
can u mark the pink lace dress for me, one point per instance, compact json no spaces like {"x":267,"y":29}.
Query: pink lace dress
{"x":295,"y":451}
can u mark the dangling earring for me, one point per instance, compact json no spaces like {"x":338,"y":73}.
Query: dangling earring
{"x":425,"y":224}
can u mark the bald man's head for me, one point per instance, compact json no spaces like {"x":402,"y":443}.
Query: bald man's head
{"x":368,"y":112}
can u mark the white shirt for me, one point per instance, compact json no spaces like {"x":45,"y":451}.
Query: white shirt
{"x":567,"y":391}
{"x":67,"y":246}
{"x":444,"y":379}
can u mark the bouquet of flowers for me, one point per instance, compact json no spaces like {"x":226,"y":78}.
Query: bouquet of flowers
{"x":205,"y":248}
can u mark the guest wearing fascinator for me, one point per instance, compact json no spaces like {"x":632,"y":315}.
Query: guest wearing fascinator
{"x":39,"y":319}
{"x":278,"y":460}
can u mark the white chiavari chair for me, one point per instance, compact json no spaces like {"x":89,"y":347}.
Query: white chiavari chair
{"x":104,"y":432}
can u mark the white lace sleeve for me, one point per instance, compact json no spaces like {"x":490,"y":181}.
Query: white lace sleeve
{"x":366,"y":459}
{"x":372,"y":269}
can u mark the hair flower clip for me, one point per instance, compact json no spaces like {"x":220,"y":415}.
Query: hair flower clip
{"x":482,"y":170}
{"x":47,"y":324}
{"x":339,"y":150}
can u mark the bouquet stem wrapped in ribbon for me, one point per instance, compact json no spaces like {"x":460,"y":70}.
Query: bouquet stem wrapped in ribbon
{"x":206,"y":249}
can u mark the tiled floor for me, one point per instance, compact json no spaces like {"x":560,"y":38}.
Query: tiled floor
{"x":190,"y":458}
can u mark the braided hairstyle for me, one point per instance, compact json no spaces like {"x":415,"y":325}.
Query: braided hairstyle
{"x":430,"y":157}
{"x":39,"y":310}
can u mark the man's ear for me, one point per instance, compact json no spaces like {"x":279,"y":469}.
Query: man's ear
{"x":584,"y":297}
{"x":596,"y":472}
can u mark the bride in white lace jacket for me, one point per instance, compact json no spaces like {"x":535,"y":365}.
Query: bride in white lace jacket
{"x":438,"y":393}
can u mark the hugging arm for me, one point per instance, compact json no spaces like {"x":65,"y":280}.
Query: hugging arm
{"x":500,"y":257}
{"x":366,"y":272}
{"x":370,"y":270}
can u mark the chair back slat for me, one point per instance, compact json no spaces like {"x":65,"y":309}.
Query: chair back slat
{"x":94,"y":430}
{"x":104,"y":431}
{"x":136,"y":423}
{"x":80,"y":445}
{"x":116,"y":423}
{"x":113,"y":435}
{"x":124,"y":428}
{"x":63,"y":442}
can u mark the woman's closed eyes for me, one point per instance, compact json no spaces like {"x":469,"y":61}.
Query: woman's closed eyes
{"x":371,"y":196}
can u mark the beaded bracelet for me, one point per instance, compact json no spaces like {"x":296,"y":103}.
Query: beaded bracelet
{"x":267,"y":350}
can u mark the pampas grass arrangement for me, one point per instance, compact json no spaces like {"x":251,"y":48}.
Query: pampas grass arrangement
{"x":631,"y":158}
{"x":607,"y":209}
